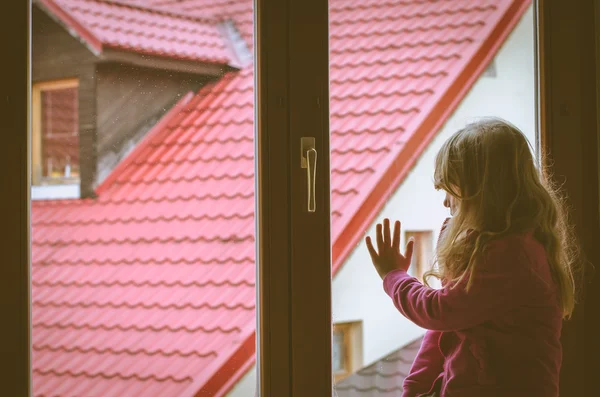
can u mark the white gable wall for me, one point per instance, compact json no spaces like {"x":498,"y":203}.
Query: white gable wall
{"x":357,"y":289}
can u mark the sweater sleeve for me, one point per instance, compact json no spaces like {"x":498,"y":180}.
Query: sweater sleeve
{"x":498,"y":285}
{"x":426,"y":368}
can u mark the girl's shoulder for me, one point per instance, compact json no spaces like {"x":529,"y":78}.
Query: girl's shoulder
{"x":523,"y":239}
{"x":514,"y":249}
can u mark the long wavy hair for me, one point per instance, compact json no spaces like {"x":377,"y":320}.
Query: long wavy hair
{"x":489,"y":168}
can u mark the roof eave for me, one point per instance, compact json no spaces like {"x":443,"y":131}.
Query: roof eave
{"x":71,"y":25}
{"x":107,"y":53}
{"x":137,"y":58}
{"x":228,"y":371}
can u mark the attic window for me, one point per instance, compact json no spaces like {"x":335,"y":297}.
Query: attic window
{"x":346,"y":349}
{"x":423,"y":254}
{"x":55,"y":130}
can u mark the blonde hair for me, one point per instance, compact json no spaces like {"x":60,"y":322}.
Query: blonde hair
{"x":489,"y":167}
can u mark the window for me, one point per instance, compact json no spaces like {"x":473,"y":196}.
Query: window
{"x":55,"y":132}
{"x":180,"y":199}
{"x":563,"y":79}
{"x":346,"y":349}
{"x":423,"y":254}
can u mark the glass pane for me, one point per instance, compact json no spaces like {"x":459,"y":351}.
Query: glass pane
{"x":60,"y":133}
{"x":143,"y":265}
{"x":338,"y":352}
{"x":404,"y":77}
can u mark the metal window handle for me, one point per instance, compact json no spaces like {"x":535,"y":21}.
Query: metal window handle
{"x":309,"y":161}
{"x":311,"y":173}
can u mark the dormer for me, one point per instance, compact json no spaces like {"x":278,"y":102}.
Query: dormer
{"x":103,"y":73}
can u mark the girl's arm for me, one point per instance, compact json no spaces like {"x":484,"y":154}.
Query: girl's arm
{"x":429,"y":363}
{"x":426,"y":368}
{"x":496,"y":287}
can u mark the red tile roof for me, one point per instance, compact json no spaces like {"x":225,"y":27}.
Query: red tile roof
{"x":238,"y":11}
{"x":149,"y":289}
{"x":142,"y":29}
{"x":384,"y":377}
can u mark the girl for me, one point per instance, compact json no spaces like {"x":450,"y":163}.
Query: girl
{"x":505,"y":260}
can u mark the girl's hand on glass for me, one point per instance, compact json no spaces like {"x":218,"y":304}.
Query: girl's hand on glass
{"x":387,"y":257}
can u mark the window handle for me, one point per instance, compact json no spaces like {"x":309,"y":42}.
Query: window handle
{"x":309,"y":161}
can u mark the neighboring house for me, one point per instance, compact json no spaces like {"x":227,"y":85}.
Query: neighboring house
{"x":148,"y":288}
{"x":98,"y":88}
{"x":383,"y":378}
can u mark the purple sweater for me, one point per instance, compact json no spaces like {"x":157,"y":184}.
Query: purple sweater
{"x":502,"y":338}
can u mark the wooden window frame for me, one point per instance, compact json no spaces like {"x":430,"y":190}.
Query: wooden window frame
{"x":36,"y":128}
{"x":352,"y":332}
{"x":294,"y":245}
{"x":568,"y":122}
{"x":295,"y":50}
{"x":420,"y":245}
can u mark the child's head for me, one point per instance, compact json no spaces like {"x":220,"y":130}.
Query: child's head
{"x":490,"y":176}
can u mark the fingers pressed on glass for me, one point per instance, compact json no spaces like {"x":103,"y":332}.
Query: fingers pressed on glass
{"x":371,"y":249}
{"x":380,"y":244}
{"x":409,"y":249}
{"x":386,"y":232}
{"x":396,"y":240}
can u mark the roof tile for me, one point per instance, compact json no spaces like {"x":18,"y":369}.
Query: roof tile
{"x":384,"y":377}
